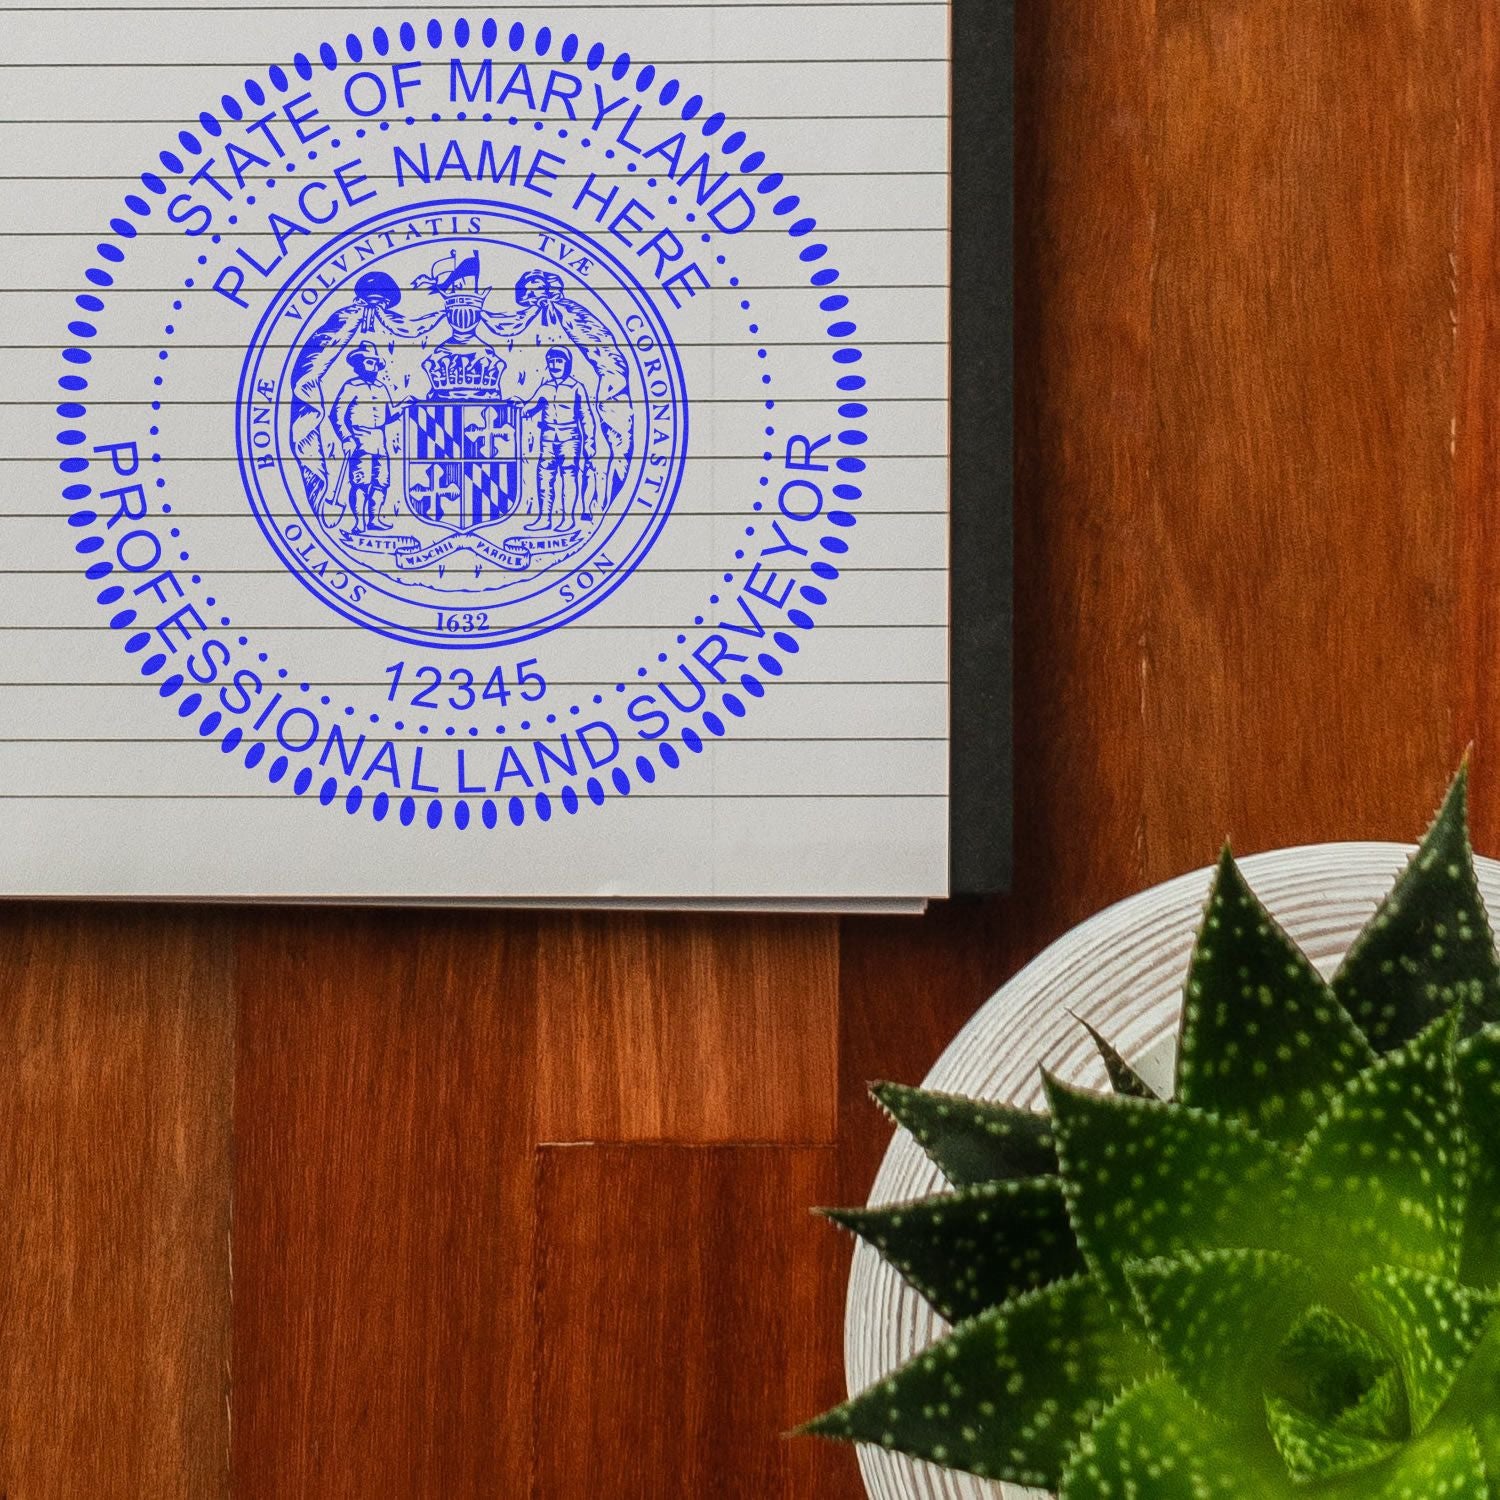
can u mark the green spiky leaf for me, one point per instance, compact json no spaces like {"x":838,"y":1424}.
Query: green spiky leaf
{"x":1473,"y":1400}
{"x":1428,"y":948}
{"x":1007,"y":1394}
{"x":972,"y":1140}
{"x":1146,"y":1179}
{"x":1263,"y":1039}
{"x":1123,"y":1079}
{"x":973,"y":1249}
{"x":1152,"y":1443}
{"x":1340,"y":1406}
{"x":1478,"y":1069}
{"x":1380,"y":1412}
{"x":1328,"y":1368}
{"x":1433,"y":1325}
{"x":1382,"y":1176}
{"x":1218,"y":1318}
{"x":1445,"y":1465}
{"x":1313,"y":1450}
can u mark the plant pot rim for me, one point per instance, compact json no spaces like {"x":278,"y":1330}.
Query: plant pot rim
{"x":1121,"y":970}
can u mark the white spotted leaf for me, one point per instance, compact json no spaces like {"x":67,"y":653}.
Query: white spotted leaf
{"x":1263,"y":1041}
{"x":1383,"y":1175}
{"x":1154,"y":1444}
{"x":1146,"y":1179}
{"x":1338,"y":1372}
{"x":1218,"y":1319}
{"x":971,"y":1140}
{"x":1444,"y":1465}
{"x":1428,"y":949}
{"x":1474,"y":1400}
{"x":1433,"y":1325}
{"x":1312,"y":1449}
{"x":1006,"y":1395}
{"x":978,"y":1247}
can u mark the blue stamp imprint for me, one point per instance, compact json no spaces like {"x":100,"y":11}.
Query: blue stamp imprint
{"x":462,"y":421}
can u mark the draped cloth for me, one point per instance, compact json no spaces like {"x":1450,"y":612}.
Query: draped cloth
{"x":541,"y":307}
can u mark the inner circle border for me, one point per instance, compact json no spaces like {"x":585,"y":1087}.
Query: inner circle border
{"x":112,"y":251}
{"x":562,"y":616}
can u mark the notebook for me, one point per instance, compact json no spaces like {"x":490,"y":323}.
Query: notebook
{"x":479,"y":456}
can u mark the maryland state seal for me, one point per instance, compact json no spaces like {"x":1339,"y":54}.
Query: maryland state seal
{"x":462,"y":423}
{"x":414,"y":330}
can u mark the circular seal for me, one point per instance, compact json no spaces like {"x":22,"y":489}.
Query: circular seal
{"x":462,"y":423}
{"x":390,"y":495}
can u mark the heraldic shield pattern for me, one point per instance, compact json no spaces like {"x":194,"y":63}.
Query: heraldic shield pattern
{"x":462,"y":407}
{"x":463,"y":463}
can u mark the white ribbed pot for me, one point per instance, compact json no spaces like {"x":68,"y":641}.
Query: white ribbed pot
{"x":1122,"y":971}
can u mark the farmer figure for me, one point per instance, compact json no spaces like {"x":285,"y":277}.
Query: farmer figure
{"x":364,"y":407}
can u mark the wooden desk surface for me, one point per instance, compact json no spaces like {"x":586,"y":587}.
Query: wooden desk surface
{"x":434,"y":1207}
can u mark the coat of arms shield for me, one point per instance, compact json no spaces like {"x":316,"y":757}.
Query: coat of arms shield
{"x":462,"y":462}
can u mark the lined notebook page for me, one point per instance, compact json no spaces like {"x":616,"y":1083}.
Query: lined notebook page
{"x":501,"y":456}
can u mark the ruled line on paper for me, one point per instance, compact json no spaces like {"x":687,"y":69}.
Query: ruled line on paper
{"x":162,"y":234}
{"x":780,"y":118}
{"x":686,"y":62}
{"x":613,"y":628}
{"x":145,"y":291}
{"x":375,"y":682}
{"x":376,"y":13}
{"x":519,"y":739}
{"x":647,"y":568}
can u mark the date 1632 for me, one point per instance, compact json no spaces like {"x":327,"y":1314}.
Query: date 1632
{"x":459,"y":689}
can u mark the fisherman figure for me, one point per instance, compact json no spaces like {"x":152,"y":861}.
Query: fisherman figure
{"x":364,"y":407}
{"x":565,"y":418}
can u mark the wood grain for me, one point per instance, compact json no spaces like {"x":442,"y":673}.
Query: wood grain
{"x":382,"y":1212}
{"x":1300,"y":678}
{"x":116,"y":1039}
{"x":687,"y":1028}
{"x":1084,"y":358}
{"x":678,"y":1342}
{"x":1477,"y":420}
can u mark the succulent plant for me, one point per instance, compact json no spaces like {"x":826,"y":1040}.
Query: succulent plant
{"x":1281,"y":1282}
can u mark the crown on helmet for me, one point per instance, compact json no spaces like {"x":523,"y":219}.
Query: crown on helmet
{"x":461,"y":372}
{"x":462,"y":367}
